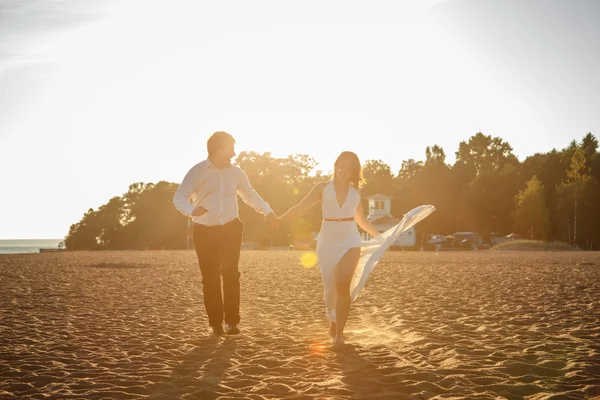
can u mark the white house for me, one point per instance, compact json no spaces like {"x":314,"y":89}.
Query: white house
{"x":380,"y":215}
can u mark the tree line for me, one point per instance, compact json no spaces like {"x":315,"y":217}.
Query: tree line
{"x":547,"y":196}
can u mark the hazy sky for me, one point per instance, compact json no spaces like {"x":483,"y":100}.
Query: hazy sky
{"x":95,"y":95}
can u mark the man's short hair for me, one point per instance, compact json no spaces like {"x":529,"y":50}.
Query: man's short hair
{"x":217,"y":141}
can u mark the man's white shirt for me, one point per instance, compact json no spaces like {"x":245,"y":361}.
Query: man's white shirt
{"x":216,"y":190}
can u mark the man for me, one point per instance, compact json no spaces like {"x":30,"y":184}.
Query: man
{"x":212,"y":186}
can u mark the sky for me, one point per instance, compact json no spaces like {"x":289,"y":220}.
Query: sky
{"x":96,"y":95}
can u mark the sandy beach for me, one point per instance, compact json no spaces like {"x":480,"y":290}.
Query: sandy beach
{"x":128,"y":325}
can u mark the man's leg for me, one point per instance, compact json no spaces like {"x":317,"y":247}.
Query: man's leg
{"x":206,"y":244}
{"x":229,"y":255}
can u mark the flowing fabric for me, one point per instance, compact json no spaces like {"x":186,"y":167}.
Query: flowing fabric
{"x":372,"y":250}
{"x":336,"y":238}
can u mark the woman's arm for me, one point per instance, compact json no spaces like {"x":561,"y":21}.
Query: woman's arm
{"x":363,"y":222}
{"x":308,"y":202}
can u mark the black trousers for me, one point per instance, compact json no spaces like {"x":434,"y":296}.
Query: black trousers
{"x":218,"y":250}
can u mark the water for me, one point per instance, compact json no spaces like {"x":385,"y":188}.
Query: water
{"x":27,"y":246}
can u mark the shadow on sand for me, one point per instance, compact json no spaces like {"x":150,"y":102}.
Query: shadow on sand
{"x":202,"y":370}
{"x":361,"y":376}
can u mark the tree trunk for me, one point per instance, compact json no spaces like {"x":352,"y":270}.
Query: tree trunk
{"x":575,"y":218}
{"x":531,"y":230}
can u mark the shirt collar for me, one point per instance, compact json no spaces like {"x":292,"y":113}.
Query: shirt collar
{"x":210,"y":165}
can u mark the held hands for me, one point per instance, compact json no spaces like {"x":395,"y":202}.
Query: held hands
{"x":198,"y":211}
{"x":272,"y":220}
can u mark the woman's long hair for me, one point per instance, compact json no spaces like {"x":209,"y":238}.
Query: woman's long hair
{"x":356,"y":173}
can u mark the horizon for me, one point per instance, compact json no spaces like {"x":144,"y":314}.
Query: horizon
{"x":29,"y":243}
{"x":30,"y":240}
{"x":90,"y":105}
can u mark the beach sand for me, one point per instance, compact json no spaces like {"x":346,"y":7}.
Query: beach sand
{"x":129,"y":325}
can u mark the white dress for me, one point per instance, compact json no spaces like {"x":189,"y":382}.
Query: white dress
{"x":336,"y":238}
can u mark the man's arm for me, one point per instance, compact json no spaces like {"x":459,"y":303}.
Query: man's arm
{"x":249,"y":195}
{"x":188,"y":187}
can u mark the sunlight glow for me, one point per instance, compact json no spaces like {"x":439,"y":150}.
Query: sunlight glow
{"x":146,"y":84}
{"x":317,"y":348}
{"x":308,"y":259}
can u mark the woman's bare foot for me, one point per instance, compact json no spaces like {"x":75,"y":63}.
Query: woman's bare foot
{"x":339,"y":340}
{"x":332,"y":329}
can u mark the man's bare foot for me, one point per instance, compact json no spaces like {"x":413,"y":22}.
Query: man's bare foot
{"x":332,"y":329}
{"x":339,"y":340}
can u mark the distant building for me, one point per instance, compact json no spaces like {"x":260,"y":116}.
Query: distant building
{"x":380,"y":215}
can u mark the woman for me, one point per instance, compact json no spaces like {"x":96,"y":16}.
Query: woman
{"x":339,"y":243}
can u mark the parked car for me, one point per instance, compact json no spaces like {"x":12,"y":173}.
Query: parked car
{"x":470,"y":240}
{"x":252,"y":246}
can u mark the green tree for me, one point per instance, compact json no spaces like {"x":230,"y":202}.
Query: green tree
{"x":378,"y":179}
{"x":435,"y":155}
{"x":84,"y":234}
{"x":282,"y":182}
{"x":109,"y":218}
{"x":152,"y":220}
{"x":577,"y":200}
{"x":531,"y":214}
{"x":491,"y":199}
{"x":589,"y":145}
{"x":479,"y":192}
{"x":485,"y":154}
{"x":409,"y":169}
{"x":577,"y":174}
{"x":427,"y":183}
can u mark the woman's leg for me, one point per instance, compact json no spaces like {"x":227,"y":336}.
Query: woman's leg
{"x":343,"y":277}
{"x":332,"y":329}
{"x":327,"y":271}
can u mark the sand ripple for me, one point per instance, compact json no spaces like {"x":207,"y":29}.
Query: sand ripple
{"x":129,"y":325}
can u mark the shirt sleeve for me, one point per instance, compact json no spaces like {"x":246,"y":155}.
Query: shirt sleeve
{"x":188,"y":187}
{"x":249,"y":195}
